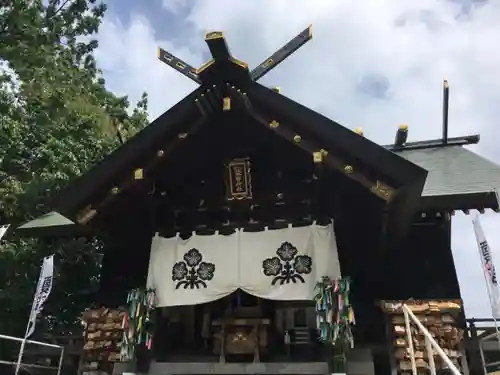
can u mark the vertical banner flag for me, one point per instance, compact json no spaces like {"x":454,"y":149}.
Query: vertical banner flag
{"x":3,"y":229}
{"x":488,"y":267}
{"x":42,"y":292}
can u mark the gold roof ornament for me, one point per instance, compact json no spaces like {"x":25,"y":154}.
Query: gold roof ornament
{"x":139,"y":174}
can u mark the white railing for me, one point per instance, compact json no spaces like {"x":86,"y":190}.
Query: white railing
{"x":431,"y":346}
{"x":19,"y":364}
{"x":483,"y":344}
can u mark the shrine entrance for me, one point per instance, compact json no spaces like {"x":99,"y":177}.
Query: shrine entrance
{"x":237,"y":328}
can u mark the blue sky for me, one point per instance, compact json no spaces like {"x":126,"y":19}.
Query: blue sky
{"x":374,"y":64}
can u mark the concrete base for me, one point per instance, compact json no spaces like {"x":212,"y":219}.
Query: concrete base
{"x":360,"y":362}
{"x":177,"y":368}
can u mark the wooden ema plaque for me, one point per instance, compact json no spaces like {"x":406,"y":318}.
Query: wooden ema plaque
{"x":239,"y":181}
{"x":442,"y":320}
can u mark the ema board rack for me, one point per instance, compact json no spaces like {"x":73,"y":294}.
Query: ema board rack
{"x":441,"y":318}
{"x":103,"y":333}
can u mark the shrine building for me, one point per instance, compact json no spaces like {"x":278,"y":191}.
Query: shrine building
{"x":238,"y":207}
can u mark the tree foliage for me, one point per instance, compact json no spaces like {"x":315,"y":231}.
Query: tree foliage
{"x":56,"y":120}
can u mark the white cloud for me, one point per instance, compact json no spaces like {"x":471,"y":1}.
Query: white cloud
{"x":415,"y":45}
{"x":174,"y":6}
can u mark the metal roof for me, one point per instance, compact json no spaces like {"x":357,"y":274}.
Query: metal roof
{"x":454,"y":170}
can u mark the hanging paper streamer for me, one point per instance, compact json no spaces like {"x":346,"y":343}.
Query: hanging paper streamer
{"x":138,"y":322}
{"x":334,"y":313}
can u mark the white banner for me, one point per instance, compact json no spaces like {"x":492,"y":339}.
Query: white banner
{"x":197,"y":270}
{"x":281,"y":264}
{"x":286,"y":264}
{"x":43,"y":290}
{"x":488,"y":267}
{"x":3,"y":230}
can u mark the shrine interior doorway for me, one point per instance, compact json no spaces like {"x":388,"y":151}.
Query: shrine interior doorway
{"x":284,"y":331}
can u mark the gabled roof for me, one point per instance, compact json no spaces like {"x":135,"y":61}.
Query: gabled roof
{"x":458,"y":178}
{"x":265,"y":102}
{"x":227,"y":80}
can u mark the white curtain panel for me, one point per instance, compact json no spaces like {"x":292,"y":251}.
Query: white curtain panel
{"x":197,"y":270}
{"x":285,"y":264}
{"x":279,"y":264}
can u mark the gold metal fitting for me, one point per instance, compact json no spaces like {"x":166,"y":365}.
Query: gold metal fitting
{"x":348,"y":169}
{"x":317,"y":157}
{"x":226,"y":104}
{"x":138,"y":174}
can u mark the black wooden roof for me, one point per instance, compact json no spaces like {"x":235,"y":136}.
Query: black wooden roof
{"x":226,"y":78}
{"x":166,"y":128}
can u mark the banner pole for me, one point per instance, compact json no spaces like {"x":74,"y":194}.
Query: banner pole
{"x":32,"y":316}
{"x":493,"y":310}
{"x":481,"y":239}
{"x":23,"y":343}
{"x":61,"y":359}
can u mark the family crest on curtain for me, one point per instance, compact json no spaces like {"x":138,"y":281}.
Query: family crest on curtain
{"x":280,"y":264}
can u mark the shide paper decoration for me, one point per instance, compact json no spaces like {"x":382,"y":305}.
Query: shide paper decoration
{"x":138,"y":322}
{"x":335,"y":316}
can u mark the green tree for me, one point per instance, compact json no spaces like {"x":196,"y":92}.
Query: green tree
{"x":56,"y":120}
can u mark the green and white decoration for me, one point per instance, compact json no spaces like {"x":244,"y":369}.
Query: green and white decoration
{"x":138,"y":322}
{"x":335,"y":317}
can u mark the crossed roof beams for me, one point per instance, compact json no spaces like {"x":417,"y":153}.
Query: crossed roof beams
{"x":220,"y":52}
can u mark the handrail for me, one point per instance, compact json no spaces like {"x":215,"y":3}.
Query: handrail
{"x":430,"y":344}
{"x":483,"y":340}
{"x":57,"y":368}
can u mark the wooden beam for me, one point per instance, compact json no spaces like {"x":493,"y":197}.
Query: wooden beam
{"x":377,"y":187}
{"x":90,"y":211}
{"x":179,"y":65}
{"x":280,"y":55}
{"x":217,"y":45}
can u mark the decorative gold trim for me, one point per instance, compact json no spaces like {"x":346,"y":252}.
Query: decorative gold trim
{"x":297,"y":138}
{"x":204,"y":66}
{"x":86,"y":215}
{"x":310,"y":30}
{"x":382,"y":190}
{"x":317,"y":157}
{"x":243,"y":64}
{"x":274,"y":124}
{"x":348,"y":169}
{"x":180,"y":65}
{"x":139,"y":174}
{"x":267,"y":63}
{"x":276,"y":89}
{"x":214,"y":35}
{"x":226,"y":104}
{"x":359,"y":131}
